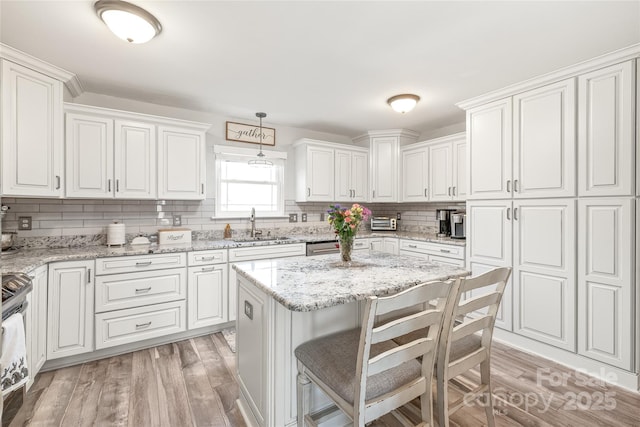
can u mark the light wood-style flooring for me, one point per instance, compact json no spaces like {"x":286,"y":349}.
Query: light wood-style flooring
{"x":192,"y":383}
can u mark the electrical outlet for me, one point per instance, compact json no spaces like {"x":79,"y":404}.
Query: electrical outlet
{"x":24,"y":223}
{"x":398,"y":216}
{"x":303,"y":217}
{"x":177,"y":220}
{"x":322,"y":217}
{"x":293,"y":217}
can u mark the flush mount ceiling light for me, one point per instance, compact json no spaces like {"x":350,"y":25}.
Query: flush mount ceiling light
{"x":128,"y":21}
{"x":403,"y":103}
{"x":260,"y":162}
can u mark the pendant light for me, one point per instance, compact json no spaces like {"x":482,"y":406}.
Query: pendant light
{"x":128,"y":21}
{"x":403,"y":103}
{"x":260,"y":162}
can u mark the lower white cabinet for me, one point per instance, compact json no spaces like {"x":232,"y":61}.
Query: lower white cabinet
{"x":387,"y":245}
{"x":208,"y":289}
{"x":606,"y":280}
{"x":434,"y":252}
{"x":126,"y":326}
{"x":544,"y":271}
{"x":36,"y":323}
{"x":70,"y":309}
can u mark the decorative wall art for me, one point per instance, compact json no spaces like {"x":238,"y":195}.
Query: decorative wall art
{"x":250,"y":133}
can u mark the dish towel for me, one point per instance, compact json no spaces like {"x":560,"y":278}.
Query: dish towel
{"x":13,"y":361}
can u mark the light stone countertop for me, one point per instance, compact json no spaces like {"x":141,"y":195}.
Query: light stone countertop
{"x":27,"y":260}
{"x":316,"y":282}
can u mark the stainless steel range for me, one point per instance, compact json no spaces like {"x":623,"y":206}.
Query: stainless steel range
{"x":15,"y":287}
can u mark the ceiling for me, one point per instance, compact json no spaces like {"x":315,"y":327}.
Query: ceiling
{"x":322,"y":65}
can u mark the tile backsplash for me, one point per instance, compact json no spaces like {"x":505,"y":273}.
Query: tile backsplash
{"x":87,"y":219}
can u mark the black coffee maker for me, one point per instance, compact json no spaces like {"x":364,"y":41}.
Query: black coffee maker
{"x":443,"y":216}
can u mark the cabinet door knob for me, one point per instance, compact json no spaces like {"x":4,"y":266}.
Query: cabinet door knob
{"x":109,"y":186}
{"x":453,"y":190}
{"x":201,"y":188}
{"x":57,"y":182}
{"x":308,"y":191}
{"x":515,"y":213}
{"x":117,"y":185}
{"x":425,"y":192}
{"x":515,"y":186}
{"x":89,"y":275}
{"x":508,"y":186}
{"x":509,"y":213}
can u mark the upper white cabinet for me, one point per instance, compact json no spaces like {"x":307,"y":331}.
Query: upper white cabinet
{"x":314,"y":172}
{"x":384,"y":169}
{"x":32,"y":132}
{"x":489,"y":151}
{"x":384,"y":151}
{"x":351,"y":175}
{"x":327,"y":172}
{"x":181,"y":163}
{"x":415,"y":174}
{"x":434,"y":170}
{"x":544,"y":157}
{"x":112,"y":153}
{"x":606,"y":131}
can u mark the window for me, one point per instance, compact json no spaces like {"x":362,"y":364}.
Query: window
{"x":241,"y":187}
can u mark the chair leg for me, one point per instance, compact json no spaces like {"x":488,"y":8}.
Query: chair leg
{"x":426,"y":403}
{"x":303,"y":392}
{"x":442,"y":400}
{"x":485,"y":378}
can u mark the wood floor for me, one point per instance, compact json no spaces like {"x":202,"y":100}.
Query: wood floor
{"x":191,"y":383}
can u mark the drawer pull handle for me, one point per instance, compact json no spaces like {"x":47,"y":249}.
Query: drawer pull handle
{"x":143,"y":325}
{"x":208,"y":268}
{"x":207,"y":258}
{"x":143,"y":289}
{"x":143,"y":264}
{"x":413,"y":246}
{"x":446,"y":251}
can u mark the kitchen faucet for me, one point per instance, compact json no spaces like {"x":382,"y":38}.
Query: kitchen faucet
{"x":252,"y":219}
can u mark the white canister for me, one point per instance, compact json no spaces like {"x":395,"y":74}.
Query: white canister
{"x":115,"y":234}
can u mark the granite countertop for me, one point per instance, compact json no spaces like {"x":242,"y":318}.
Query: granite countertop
{"x":316,"y":282}
{"x":27,"y":260}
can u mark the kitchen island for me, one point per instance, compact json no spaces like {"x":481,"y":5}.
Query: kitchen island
{"x":283,"y":303}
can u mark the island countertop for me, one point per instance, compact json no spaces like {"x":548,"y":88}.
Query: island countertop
{"x":316,"y":282}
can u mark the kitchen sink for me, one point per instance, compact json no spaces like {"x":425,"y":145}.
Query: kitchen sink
{"x":260,"y":239}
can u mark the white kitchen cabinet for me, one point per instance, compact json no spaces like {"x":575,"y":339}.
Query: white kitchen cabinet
{"x":489,"y":245}
{"x":415,"y":174}
{"x":351,"y":175}
{"x":134,"y":160}
{"x":384,"y":169}
{"x":606,"y":128}
{"x":181,"y":163}
{"x":544,"y":156}
{"x":544,"y":273}
{"x":390,"y":245}
{"x":459,"y":190}
{"x":208,"y":288}
{"x":89,"y":156}
{"x":440,"y":172}
{"x":434,"y":252}
{"x":32,"y":132}
{"x":70,"y":309}
{"x":315,"y":172}
{"x":489,"y":151}
{"x":36,"y":323}
{"x":606,"y":280}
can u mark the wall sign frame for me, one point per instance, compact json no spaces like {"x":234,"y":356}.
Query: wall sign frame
{"x":241,"y":132}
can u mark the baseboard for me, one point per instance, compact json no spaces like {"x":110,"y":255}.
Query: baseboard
{"x":128,"y":348}
{"x":600,"y":370}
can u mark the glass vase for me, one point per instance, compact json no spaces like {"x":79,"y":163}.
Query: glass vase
{"x":346,"y":246}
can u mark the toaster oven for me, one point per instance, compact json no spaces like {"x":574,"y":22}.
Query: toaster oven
{"x":383,"y":223}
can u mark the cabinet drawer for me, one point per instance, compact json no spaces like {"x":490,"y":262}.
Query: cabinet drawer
{"x":361,"y":244}
{"x":445,"y":260}
{"x":218,"y":256}
{"x":449,"y":251}
{"x":131,"y":264}
{"x":137,"y":324}
{"x":118,"y":291}
{"x":265,"y":252}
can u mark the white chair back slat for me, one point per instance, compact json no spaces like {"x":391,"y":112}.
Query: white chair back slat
{"x":471,"y":327}
{"x":399,"y":355}
{"x":413,"y":296}
{"x":476,"y":303}
{"x":402,"y":326}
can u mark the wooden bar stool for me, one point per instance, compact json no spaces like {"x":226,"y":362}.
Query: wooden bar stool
{"x":364,"y":371}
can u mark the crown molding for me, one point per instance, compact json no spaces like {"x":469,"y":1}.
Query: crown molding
{"x":129,"y":115}
{"x":403,"y":133}
{"x":329,"y":144}
{"x":447,"y":138}
{"x":69,"y":79}
{"x":611,"y":58}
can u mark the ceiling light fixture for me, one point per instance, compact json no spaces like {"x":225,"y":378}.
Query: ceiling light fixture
{"x":128,"y":21}
{"x":403,"y":103}
{"x":260,"y":161}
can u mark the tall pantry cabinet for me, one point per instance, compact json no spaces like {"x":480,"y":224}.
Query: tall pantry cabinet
{"x":552,"y":193}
